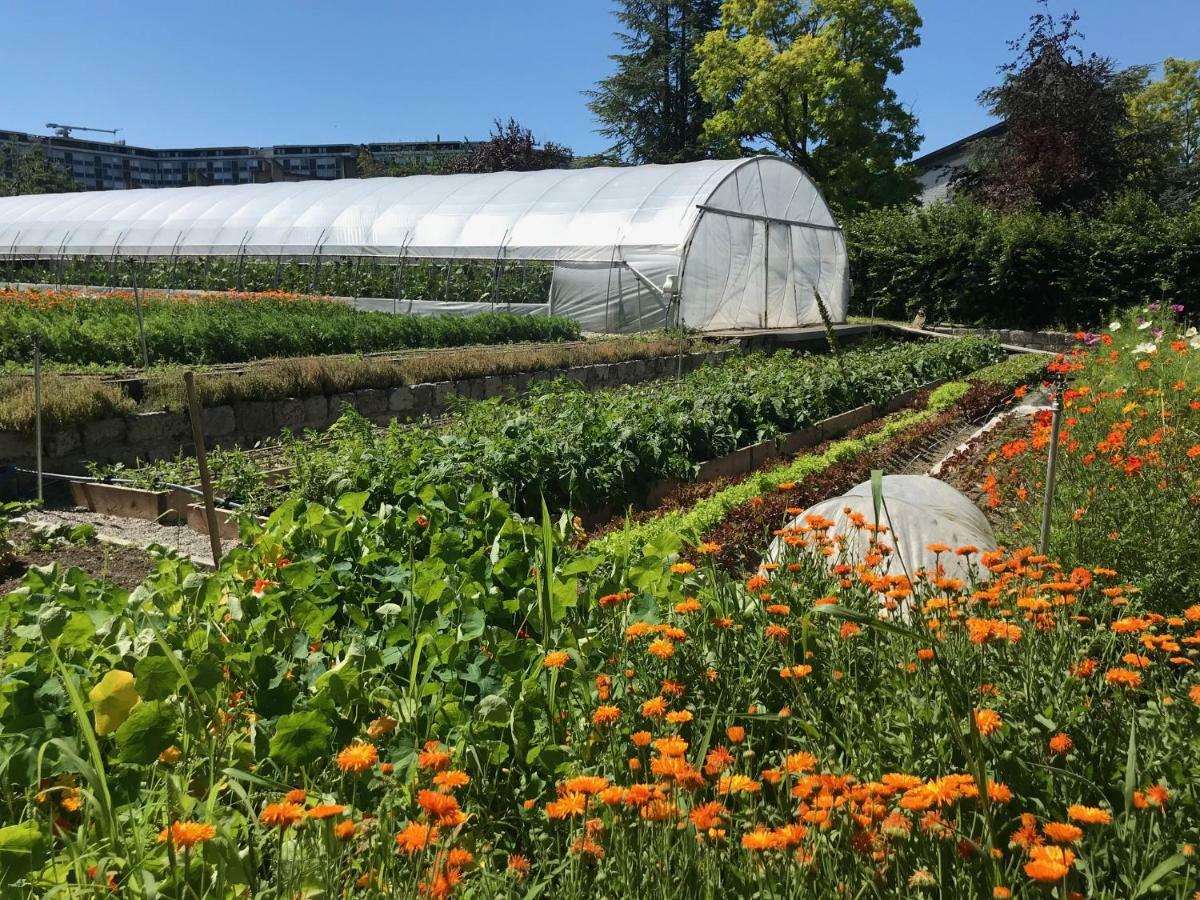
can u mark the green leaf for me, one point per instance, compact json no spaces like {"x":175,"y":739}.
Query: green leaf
{"x":156,"y":677}
{"x":300,"y":738}
{"x":149,"y":730}
{"x":1164,"y":868}
{"x":113,"y":697}
{"x":22,"y":850}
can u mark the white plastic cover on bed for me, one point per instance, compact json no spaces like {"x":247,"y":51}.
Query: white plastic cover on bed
{"x":920,"y":511}
{"x":749,"y":241}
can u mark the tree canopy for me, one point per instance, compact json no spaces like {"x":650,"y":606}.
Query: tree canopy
{"x":1068,"y":142}
{"x":810,"y":78}
{"x":651,"y":106}
{"x":1168,"y":112}
{"x":26,"y":170}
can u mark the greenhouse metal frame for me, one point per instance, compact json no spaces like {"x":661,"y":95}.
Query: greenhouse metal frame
{"x":711,"y":245}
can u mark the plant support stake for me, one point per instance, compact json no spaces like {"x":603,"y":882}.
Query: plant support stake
{"x":37,"y":411}
{"x":1051,"y":466}
{"x":210,"y":510}
{"x":137,"y":304}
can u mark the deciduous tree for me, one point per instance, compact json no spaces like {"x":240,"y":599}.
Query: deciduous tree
{"x":26,"y":170}
{"x":810,"y":78}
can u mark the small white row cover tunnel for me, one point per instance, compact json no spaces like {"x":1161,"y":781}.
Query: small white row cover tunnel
{"x":712,"y":245}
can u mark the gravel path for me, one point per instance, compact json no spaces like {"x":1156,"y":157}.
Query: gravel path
{"x":133,"y":532}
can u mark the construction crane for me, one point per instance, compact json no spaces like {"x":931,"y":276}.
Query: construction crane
{"x":65,"y":130}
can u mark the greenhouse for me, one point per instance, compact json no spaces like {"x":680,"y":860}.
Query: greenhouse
{"x":718,"y":244}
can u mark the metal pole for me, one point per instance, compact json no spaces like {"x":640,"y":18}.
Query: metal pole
{"x":37,"y":411}
{"x":137,"y":303}
{"x":210,"y":509}
{"x":1051,"y":466}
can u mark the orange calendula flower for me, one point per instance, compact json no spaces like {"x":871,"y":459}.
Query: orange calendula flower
{"x":641,"y":738}
{"x":662,"y":648}
{"x":655,"y":706}
{"x":683,"y":568}
{"x":344,"y":830}
{"x":1061,"y":744}
{"x":170,"y":756}
{"x":707,"y":816}
{"x":988,"y":721}
{"x":451,"y":779}
{"x":585,"y":784}
{"x":556,"y":659}
{"x":416,"y":837}
{"x":443,"y":807}
{"x":1048,"y":863}
{"x":432,"y":756}
{"x":357,"y":758}
{"x":326,"y":810}
{"x":281,"y":815}
{"x":187,"y":834}
{"x":1062,"y":832}
{"x":1126,"y":678}
{"x":605,"y":715}
{"x":735,"y":733}
{"x":566,"y":806}
{"x":381,"y":727}
{"x":1088,"y":815}
{"x":518,"y":866}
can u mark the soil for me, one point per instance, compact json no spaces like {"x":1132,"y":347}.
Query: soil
{"x":126,"y":567}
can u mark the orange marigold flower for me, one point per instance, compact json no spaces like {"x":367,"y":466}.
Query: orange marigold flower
{"x":585,"y":846}
{"x":756,"y":583}
{"x":605,"y":715}
{"x":777,"y":632}
{"x":849,"y":630}
{"x":1129,"y":625}
{"x":988,"y":721}
{"x":451,"y":779}
{"x":735,"y":784}
{"x":708,"y":547}
{"x":1194,"y":694}
{"x":437,"y":805}
{"x":679,"y":717}
{"x":640,"y":738}
{"x":760,"y":839}
{"x":735,"y":733}
{"x":187,"y":834}
{"x":1088,"y":815}
{"x":298,"y":795}
{"x":358,"y":757}
{"x":344,"y":830}
{"x":326,"y":810}
{"x":381,"y":727}
{"x":555,"y":659}
{"x":671,"y":746}
{"x":689,"y":605}
{"x":1126,"y":678}
{"x":1049,"y":863}
{"x":1062,"y":832}
{"x":717,"y":761}
{"x":925,"y":654}
{"x":1061,"y":743}
{"x":683,"y":568}
{"x":282,"y":815}
{"x":416,"y":837}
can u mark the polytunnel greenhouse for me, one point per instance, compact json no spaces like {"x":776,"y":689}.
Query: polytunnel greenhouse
{"x":719,"y":244}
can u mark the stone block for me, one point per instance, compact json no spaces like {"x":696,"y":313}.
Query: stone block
{"x":255,"y":418}
{"x":63,"y":443}
{"x":400,"y":400}
{"x":493,"y":385}
{"x":442,"y":392}
{"x":218,"y":421}
{"x":157,"y":427}
{"x":15,"y":445}
{"x":339,"y":403}
{"x":289,"y":414}
{"x":518,"y":383}
{"x":316,"y":411}
{"x":98,"y":435}
{"x":422,"y":399}
{"x":371,"y":402}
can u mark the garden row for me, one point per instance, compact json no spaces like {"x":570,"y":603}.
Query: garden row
{"x":470,"y":280}
{"x":101,"y":330}
{"x":571,"y":449}
{"x":737,"y":516}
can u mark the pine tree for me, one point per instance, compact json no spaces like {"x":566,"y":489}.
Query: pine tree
{"x":650,"y":107}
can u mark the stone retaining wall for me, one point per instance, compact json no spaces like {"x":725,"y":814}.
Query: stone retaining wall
{"x":1054,"y":341}
{"x":163,"y":435}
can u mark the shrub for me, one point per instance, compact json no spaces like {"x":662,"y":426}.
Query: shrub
{"x":965,"y":264}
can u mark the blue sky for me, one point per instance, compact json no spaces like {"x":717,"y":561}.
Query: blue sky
{"x":252,"y":72}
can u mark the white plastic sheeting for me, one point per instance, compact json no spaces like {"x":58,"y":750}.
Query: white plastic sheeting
{"x":919,"y":511}
{"x":748,"y":241}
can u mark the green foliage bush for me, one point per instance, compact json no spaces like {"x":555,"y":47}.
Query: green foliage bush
{"x":965,"y":264}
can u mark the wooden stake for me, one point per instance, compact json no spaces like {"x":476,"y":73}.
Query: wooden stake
{"x":37,"y":411}
{"x":210,"y":509}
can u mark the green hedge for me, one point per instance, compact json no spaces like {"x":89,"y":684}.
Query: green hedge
{"x":969,"y":265}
